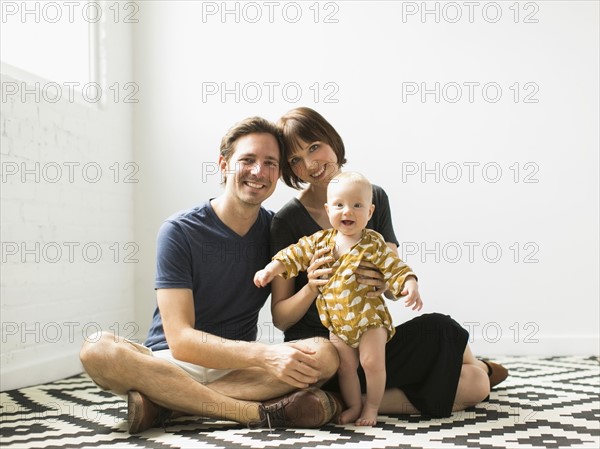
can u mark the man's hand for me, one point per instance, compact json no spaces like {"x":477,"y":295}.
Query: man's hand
{"x":413,"y":297}
{"x":294,"y":364}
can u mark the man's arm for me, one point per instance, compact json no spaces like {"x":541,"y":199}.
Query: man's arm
{"x":293,"y":363}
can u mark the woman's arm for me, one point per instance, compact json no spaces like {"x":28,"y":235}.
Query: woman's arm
{"x":288,"y":308}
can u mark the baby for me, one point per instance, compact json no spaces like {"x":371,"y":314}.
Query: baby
{"x":359,"y":325}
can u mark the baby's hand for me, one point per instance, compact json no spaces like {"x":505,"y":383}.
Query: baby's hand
{"x":262,"y":278}
{"x":413,"y":297}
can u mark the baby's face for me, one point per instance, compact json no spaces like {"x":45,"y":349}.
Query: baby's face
{"x":349,"y":206}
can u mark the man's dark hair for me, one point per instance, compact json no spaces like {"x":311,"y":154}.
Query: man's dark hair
{"x":251,"y":125}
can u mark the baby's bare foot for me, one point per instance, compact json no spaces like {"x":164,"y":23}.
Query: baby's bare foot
{"x":349,"y":415}
{"x":368,"y":417}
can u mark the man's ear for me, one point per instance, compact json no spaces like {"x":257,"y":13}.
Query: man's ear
{"x":223,"y":168}
{"x":326,"y":208}
{"x":222,"y":163}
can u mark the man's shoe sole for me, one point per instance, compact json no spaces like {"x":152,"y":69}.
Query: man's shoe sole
{"x":142,"y":413}
{"x":135,"y":411}
{"x":329,"y":406}
{"x":309,"y":408}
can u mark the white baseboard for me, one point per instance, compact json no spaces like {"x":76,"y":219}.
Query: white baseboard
{"x":540,"y":345}
{"x":41,"y":371}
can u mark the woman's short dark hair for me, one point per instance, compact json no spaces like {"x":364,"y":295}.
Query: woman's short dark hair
{"x":309,"y":126}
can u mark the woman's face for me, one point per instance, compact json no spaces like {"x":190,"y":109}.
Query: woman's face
{"x":314,"y":162}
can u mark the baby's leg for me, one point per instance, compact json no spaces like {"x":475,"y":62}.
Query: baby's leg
{"x":349,"y":383}
{"x":372,"y":359}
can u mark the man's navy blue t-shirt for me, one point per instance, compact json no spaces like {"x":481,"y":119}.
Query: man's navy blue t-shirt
{"x":196,"y":250}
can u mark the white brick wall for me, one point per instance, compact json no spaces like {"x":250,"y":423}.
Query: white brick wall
{"x":65,"y":230}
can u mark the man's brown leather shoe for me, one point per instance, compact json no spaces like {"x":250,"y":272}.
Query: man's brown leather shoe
{"x":142,"y":413}
{"x":496,"y":372}
{"x":306,"y":408}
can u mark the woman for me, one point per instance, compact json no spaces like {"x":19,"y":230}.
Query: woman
{"x":430,"y":369}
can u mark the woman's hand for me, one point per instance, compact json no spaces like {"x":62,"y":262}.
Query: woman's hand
{"x":368,"y":274}
{"x":317,"y":274}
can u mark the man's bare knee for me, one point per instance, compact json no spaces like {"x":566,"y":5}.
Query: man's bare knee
{"x":101,"y":354}
{"x":327,"y":355}
{"x":94,"y":347}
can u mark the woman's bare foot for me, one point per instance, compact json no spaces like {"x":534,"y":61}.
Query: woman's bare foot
{"x":349,"y":415}
{"x":368,"y":417}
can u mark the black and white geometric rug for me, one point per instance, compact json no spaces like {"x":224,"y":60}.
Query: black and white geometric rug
{"x":545,"y":403}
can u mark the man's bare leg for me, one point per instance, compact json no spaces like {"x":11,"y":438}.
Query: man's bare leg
{"x":256,"y":385}
{"x":116,"y":365}
{"x":119,"y":366}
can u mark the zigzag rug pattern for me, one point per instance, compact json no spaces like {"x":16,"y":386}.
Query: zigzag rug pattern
{"x":545,"y":403}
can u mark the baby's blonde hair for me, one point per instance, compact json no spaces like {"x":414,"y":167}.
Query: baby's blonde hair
{"x":355,"y":178}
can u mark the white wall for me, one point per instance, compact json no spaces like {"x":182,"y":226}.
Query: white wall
{"x":187,"y":53}
{"x":67,"y":215}
{"x":357,"y":63}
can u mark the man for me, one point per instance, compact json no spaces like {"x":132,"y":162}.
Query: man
{"x":200,"y":357}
